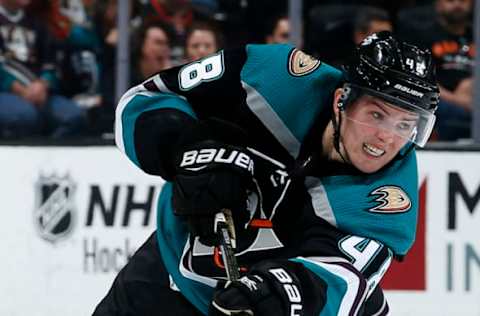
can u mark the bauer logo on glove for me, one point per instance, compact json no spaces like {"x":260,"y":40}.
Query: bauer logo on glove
{"x":195,"y":160}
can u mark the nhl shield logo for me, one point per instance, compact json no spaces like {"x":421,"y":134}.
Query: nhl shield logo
{"x":54,"y":208}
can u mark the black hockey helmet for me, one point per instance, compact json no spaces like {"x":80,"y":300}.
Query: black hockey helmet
{"x":400,"y":74}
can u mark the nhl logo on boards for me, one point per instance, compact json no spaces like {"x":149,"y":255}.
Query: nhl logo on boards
{"x":54,"y":208}
{"x":301,"y":64}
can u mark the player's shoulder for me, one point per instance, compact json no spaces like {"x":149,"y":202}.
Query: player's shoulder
{"x":284,"y":70}
{"x":405,"y":161}
{"x":294,"y":85}
{"x":296,"y":62}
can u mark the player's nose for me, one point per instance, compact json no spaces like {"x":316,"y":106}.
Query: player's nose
{"x":385,"y":135}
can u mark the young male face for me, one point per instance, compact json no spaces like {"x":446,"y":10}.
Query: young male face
{"x":372,"y":132}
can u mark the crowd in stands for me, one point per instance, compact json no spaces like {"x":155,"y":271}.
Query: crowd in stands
{"x":58,"y":58}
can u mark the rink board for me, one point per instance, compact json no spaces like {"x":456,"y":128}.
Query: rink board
{"x":72,"y":216}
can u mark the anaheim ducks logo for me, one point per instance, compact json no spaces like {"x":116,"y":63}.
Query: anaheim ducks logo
{"x":392,"y":199}
{"x":300,"y":64}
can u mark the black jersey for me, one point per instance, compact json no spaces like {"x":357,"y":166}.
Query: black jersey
{"x":342,"y":225}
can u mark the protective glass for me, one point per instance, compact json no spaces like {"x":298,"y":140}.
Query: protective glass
{"x":410,"y":123}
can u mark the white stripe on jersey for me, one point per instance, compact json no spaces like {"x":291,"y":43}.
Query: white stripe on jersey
{"x":122,"y":104}
{"x":268,"y":158}
{"x":189,"y":273}
{"x":329,"y":259}
{"x":320,"y":202}
{"x":128,"y":96}
{"x":160,"y":84}
{"x":260,"y":107}
{"x":383,"y":310}
{"x":354,"y":285}
{"x":163,"y":87}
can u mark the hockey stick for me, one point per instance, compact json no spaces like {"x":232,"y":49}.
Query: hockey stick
{"x":226,"y":235}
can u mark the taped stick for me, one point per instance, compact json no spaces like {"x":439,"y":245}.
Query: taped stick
{"x":225,"y":231}
{"x":226,"y":234}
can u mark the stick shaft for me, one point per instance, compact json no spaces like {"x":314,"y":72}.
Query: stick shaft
{"x":222,"y":228}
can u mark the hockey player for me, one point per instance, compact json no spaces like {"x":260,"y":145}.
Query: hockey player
{"x":317,"y":167}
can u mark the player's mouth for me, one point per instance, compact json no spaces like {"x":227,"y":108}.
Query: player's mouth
{"x":372,"y":150}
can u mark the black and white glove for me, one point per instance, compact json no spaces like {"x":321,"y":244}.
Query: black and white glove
{"x":210,"y":176}
{"x":270,"y":288}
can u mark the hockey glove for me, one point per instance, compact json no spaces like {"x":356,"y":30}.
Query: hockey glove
{"x":270,"y":288}
{"x":210,"y":176}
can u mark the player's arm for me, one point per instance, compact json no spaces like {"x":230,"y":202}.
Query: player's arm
{"x":151,"y":117}
{"x":376,"y":304}
{"x":307,"y":286}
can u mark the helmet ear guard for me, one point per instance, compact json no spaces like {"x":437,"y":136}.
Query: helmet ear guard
{"x":349,"y":95}
{"x":344,"y":97}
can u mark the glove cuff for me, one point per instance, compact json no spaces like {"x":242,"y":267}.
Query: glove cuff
{"x":248,"y":295}
{"x":284,"y":283}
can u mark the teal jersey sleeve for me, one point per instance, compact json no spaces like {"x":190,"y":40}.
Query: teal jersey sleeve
{"x":136,"y":101}
{"x":146,"y":131}
{"x":172,"y":235}
{"x":296,"y":91}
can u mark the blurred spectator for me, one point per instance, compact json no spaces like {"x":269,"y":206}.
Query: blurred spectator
{"x":450,"y":38}
{"x":329,"y":32}
{"x":78,"y":47}
{"x":259,"y":16}
{"x":105,"y":24}
{"x":370,"y":20}
{"x":414,"y":19}
{"x":27,"y":105}
{"x":202,"y":39}
{"x":178,"y":14}
{"x":333,"y":30}
{"x":278,"y":30}
{"x":151,"y":51}
{"x":231,"y":18}
{"x":205,"y":8}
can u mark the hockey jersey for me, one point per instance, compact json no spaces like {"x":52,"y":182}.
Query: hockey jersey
{"x":26,"y":51}
{"x":324,"y":219}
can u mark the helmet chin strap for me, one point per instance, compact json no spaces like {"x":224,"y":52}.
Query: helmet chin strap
{"x":336,"y":131}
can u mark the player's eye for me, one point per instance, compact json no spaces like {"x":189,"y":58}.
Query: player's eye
{"x":377,"y":115}
{"x":404,"y":126}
